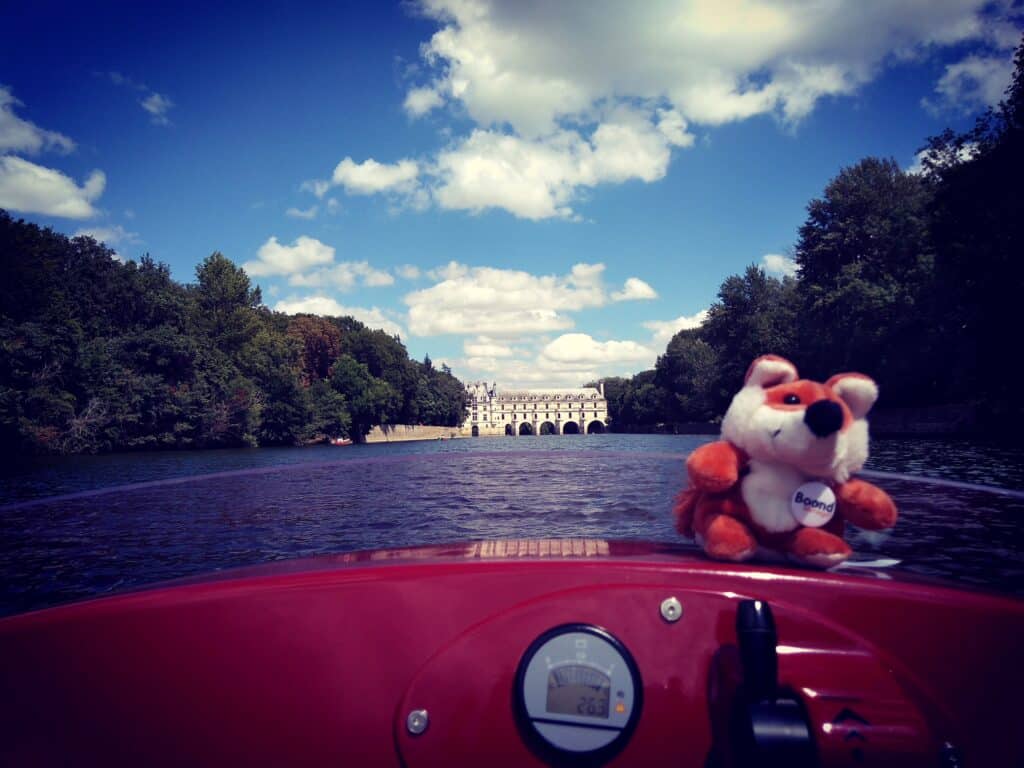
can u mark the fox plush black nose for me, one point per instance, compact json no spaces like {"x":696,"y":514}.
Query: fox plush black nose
{"x":823,"y":418}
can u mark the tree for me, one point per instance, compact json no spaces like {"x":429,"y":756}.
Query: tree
{"x":755,"y":314}
{"x":320,"y":344}
{"x":977,"y":219}
{"x":225,"y":303}
{"x":689,"y":371}
{"x":370,"y":400}
{"x":866,"y":277}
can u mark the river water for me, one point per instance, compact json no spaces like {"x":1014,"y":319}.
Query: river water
{"x":82,"y":526}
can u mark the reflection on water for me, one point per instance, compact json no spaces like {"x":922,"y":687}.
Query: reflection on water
{"x":171,"y":521}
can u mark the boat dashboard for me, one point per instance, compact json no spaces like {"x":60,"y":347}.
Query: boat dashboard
{"x":509,"y":653}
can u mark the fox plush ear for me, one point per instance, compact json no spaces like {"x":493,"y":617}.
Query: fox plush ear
{"x":856,"y":390}
{"x":769,"y":370}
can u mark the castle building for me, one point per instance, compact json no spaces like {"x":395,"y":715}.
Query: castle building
{"x":494,"y":412}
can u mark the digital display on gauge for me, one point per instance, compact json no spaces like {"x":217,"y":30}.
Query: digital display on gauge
{"x":578,"y":690}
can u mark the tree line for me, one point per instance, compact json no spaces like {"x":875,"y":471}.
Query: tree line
{"x":102,"y":355}
{"x":913,"y":278}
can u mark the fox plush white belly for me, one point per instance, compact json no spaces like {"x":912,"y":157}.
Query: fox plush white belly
{"x":780,"y":477}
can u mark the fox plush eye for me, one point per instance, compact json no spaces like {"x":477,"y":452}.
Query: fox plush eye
{"x":791,"y":400}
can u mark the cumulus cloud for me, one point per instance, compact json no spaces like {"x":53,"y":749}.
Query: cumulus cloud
{"x":113,"y":235}
{"x":344,"y":276}
{"x":333,"y":206}
{"x":538,"y":178}
{"x":975,"y":81}
{"x":570,"y":360}
{"x":485,"y":347}
{"x":419,"y":101}
{"x":273,"y":258}
{"x":534,"y":65}
{"x":157,"y":105}
{"x":583,"y":350}
{"x":370,"y":177}
{"x":634,"y":289}
{"x":18,"y":135}
{"x":323,"y":305}
{"x":30,"y":188}
{"x":664,"y":330}
{"x":502,"y":302}
{"x":568,"y":96}
{"x":303,"y":213}
{"x":779,"y":265}
{"x":408,"y":272}
{"x":318,"y":187}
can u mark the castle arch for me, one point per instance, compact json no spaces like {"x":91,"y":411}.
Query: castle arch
{"x":570,"y":428}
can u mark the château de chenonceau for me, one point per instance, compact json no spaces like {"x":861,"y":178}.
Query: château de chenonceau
{"x":535,"y":411}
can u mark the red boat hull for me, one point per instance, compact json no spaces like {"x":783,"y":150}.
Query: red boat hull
{"x":319,"y":662}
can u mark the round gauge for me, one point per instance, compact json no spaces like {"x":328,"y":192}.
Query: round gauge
{"x":578,"y":694}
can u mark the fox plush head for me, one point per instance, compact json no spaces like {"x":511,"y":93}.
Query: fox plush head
{"x":818,"y":428}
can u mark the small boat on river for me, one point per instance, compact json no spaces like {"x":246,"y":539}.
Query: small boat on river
{"x":522,"y":652}
{"x":340,"y":441}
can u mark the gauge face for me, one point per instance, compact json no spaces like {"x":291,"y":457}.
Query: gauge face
{"x":578,"y":693}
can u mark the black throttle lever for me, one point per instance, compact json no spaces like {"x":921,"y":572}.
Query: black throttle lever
{"x":767,"y":727}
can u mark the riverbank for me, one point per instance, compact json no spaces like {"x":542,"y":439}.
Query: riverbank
{"x":404,"y":433}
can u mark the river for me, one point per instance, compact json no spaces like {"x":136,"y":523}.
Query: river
{"x":75,"y":527}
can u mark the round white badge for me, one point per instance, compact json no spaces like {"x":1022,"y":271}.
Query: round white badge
{"x":813,"y":504}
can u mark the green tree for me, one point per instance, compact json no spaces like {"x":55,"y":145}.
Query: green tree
{"x":370,"y":400}
{"x":225,"y":303}
{"x":755,"y":314}
{"x":977,"y":220}
{"x":689,"y":371}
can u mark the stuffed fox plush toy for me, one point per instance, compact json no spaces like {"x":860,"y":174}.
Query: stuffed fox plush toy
{"x":779,"y":478}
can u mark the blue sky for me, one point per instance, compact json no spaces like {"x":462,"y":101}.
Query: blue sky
{"x":537,"y":194}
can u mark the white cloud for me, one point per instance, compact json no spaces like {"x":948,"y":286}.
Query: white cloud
{"x":408,"y":272}
{"x":539,"y":178}
{"x":777,"y":264}
{"x":276,"y":259}
{"x":664,"y":330}
{"x":17,"y":135}
{"x":299,"y":213}
{"x":583,"y":350}
{"x":485,"y":347}
{"x":157,"y":105}
{"x":502,"y":302}
{"x":564,"y":97}
{"x":113,"y":235}
{"x":536,"y":65}
{"x":323,"y":305}
{"x":512,"y":373}
{"x":318,"y":187}
{"x":344,"y":276}
{"x":567,"y":361}
{"x":30,"y":188}
{"x":634,"y":289}
{"x":419,"y":101}
{"x":975,"y":81}
{"x":333,"y":206}
{"x":370,"y":177}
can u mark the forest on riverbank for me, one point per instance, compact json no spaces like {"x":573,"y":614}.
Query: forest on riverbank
{"x":911,"y":277}
{"x":102,"y":355}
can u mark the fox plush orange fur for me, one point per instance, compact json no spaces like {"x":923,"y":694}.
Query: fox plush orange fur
{"x":779,"y":433}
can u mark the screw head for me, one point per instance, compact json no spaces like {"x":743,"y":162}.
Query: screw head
{"x":417,"y":721}
{"x":671,"y":610}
